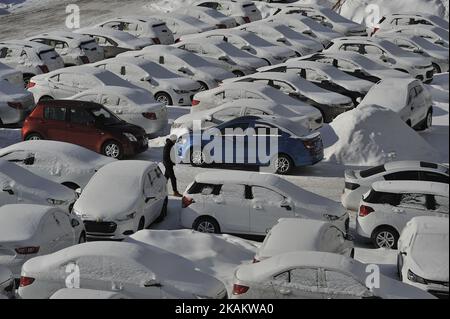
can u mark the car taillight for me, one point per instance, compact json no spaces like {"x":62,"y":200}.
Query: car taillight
{"x":309,"y":144}
{"x":156,"y":41}
{"x":31,"y":85}
{"x":186,"y":202}
{"x":247,"y":20}
{"x":240,"y":290}
{"x":351,"y":186}
{"x":26,"y":281}
{"x":150,"y":116}
{"x":44,"y":68}
{"x":221,"y":26}
{"x":27,"y":250}
{"x":365,"y":211}
{"x":15,"y":105}
{"x":195,"y":102}
{"x":85,"y":59}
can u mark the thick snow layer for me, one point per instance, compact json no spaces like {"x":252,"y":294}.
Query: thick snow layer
{"x":371,"y":135}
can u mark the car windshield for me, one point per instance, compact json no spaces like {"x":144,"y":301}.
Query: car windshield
{"x":395,"y":50}
{"x":253,"y":39}
{"x":425,"y":44}
{"x":334,"y":17}
{"x":193,"y":60}
{"x":103,"y":116}
{"x":157,"y":71}
{"x":439,"y":242}
{"x":367,"y":63}
{"x":230,"y":49}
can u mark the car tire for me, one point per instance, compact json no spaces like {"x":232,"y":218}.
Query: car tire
{"x":112,"y":149}
{"x":385,"y":237}
{"x":282,"y":164}
{"x":399,"y":271}
{"x":427,"y":122}
{"x":436,"y":68}
{"x":206,"y":225}
{"x":82,"y":238}
{"x":33,"y":137}
{"x":203,"y":86}
{"x":141,"y":225}
{"x":163,"y":214}
{"x":163,"y":98}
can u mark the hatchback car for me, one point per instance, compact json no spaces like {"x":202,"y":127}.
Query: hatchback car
{"x":86,"y":124}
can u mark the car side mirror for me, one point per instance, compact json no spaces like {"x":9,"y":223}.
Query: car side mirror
{"x":8,"y":189}
{"x":146,"y":78}
{"x":281,"y":40}
{"x":75,"y":223}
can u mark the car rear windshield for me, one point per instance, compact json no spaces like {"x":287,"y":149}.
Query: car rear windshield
{"x":373,"y":171}
{"x":47,"y":55}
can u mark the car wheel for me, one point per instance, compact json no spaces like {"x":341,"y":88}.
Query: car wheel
{"x":207,"y":225}
{"x":203,"y":86}
{"x":283,"y":164}
{"x":112,"y":149}
{"x":141,"y":225}
{"x":164,"y":98}
{"x":385,"y":237}
{"x":163,"y":214}
{"x":82,"y":239}
{"x":197,"y":158}
{"x":33,"y":137}
{"x":436,"y":68}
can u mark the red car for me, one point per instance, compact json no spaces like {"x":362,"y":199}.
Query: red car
{"x":86,"y":124}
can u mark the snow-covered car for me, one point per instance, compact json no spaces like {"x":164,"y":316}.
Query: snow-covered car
{"x":297,"y":234}
{"x":115,"y":42}
{"x":11,"y":75}
{"x":19,"y":185}
{"x":358,"y":183}
{"x":74,"y":48}
{"x":424,"y":47}
{"x":306,"y":26}
{"x":227,"y":55}
{"x":137,"y":271}
{"x":326,"y":17}
{"x":388,"y":53}
{"x":185,"y":64}
{"x":356,"y":65}
{"x":389,"y":205}
{"x":234,"y":109}
{"x":64,"y":83}
{"x":6,"y":283}
{"x":330,"y":104}
{"x":315,"y":275}
{"x":63,"y":163}
{"x":87,"y":294}
{"x":30,"y":58}
{"x":393,"y":20}
{"x":327,"y":77}
{"x":142,"y":27}
{"x":181,"y":24}
{"x":409,"y":98}
{"x":252,"y":203}
{"x":243,"y":11}
{"x":279,"y":33}
{"x":28,"y":231}
{"x":236,"y":91}
{"x":208,"y":15}
{"x":436,"y":35}
{"x":423,"y":252}
{"x":133,"y":105}
{"x":251,"y":43}
{"x":166,"y":87}
{"x":122,"y":198}
{"x":15,"y":103}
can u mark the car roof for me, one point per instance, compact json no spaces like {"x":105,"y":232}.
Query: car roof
{"x":144,"y":19}
{"x":120,"y":35}
{"x":65,"y":36}
{"x":406,"y":187}
{"x":429,"y":225}
{"x":27,"y":44}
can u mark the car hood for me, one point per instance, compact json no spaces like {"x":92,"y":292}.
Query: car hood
{"x":414,"y":60}
{"x":430,"y":265}
{"x":249,"y":62}
{"x":277,"y":51}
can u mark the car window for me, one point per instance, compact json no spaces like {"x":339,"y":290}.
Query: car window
{"x":373,"y":50}
{"x":375,"y":197}
{"x":304,"y":278}
{"x":411,"y":95}
{"x":227,"y":114}
{"x":204,"y":189}
{"x":350,"y":47}
{"x":434,"y":177}
{"x":266,"y":195}
{"x":342,"y":284}
{"x":55,"y":113}
{"x":148,"y":185}
{"x":80,"y":116}
{"x":414,"y":201}
{"x":232,"y":191}
{"x":403,"y":176}
{"x":266,"y":130}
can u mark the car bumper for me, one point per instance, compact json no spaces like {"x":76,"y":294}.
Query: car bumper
{"x":362,"y":229}
{"x":105,"y":230}
{"x":184,"y":99}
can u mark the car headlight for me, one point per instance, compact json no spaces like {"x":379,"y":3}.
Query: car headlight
{"x":414,"y":278}
{"x":130,"y":137}
{"x":128,"y":217}
{"x":56,"y":202}
{"x":180,"y":91}
{"x":331,"y":217}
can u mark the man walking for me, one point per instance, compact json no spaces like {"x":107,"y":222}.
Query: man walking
{"x":169,"y":164}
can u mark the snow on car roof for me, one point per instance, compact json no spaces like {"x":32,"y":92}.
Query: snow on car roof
{"x":151,"y":68}
{"x":107,"y":77}
{"x":405,"y":187}
{"x":115,"y":34}
{"x":83,"y":294}
{"x":20,"y":223}
{"x":430,"y":225}
{"x":74,"y":38}
{"x":132,"y":18}
{"x":38,"y":47}
{"x":414,"y":165}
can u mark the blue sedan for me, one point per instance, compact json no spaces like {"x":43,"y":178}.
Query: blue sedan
{"x":267,"y":141}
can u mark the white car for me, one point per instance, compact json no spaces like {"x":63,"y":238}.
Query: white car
{"x":358,"y":183}
{"x":74,"y":49}
{"x":409,"y":98}
{"x":166,"y":87}
{"x":389,"y":205}
{"x":251,"y":204}
{"x":86,"y":294}
{"x":122,"y":198}
{"x":307,"y":26}
{"x":15,"y":103}
{"x":251,"y":43}
{"x":181,"y":24}
{"x":63,"y":163}
{"x":18,"y":185}
{"x":436,"y":35}
{"x":134,"y":270}
{"x":243,"y":11}
{"x":142,"y":27}
{"x":330,"y":104}
{"x":64,"y":83}
{"x":208,"y":15}
{"x":11,"y":75}
{"x":133,"y":105}
{"x":296,"y":234}
{"x":227,"y":55}
{"x":185,"y":64}
{"x":423,"y":252}
{"x":315,"y":275}
{"x":236,"y":91}
{"x":234,"y":109}
{"x":356,"y":65}
{"x":424,"y":47}
{"x":6,"y":283}
{"x":115,"y":42}
{"x":280,"y":34}
{"x":390,"y":21}
{"x":28,"y":231}
{"x":388,"y":53}
{"x":30,"y":58}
